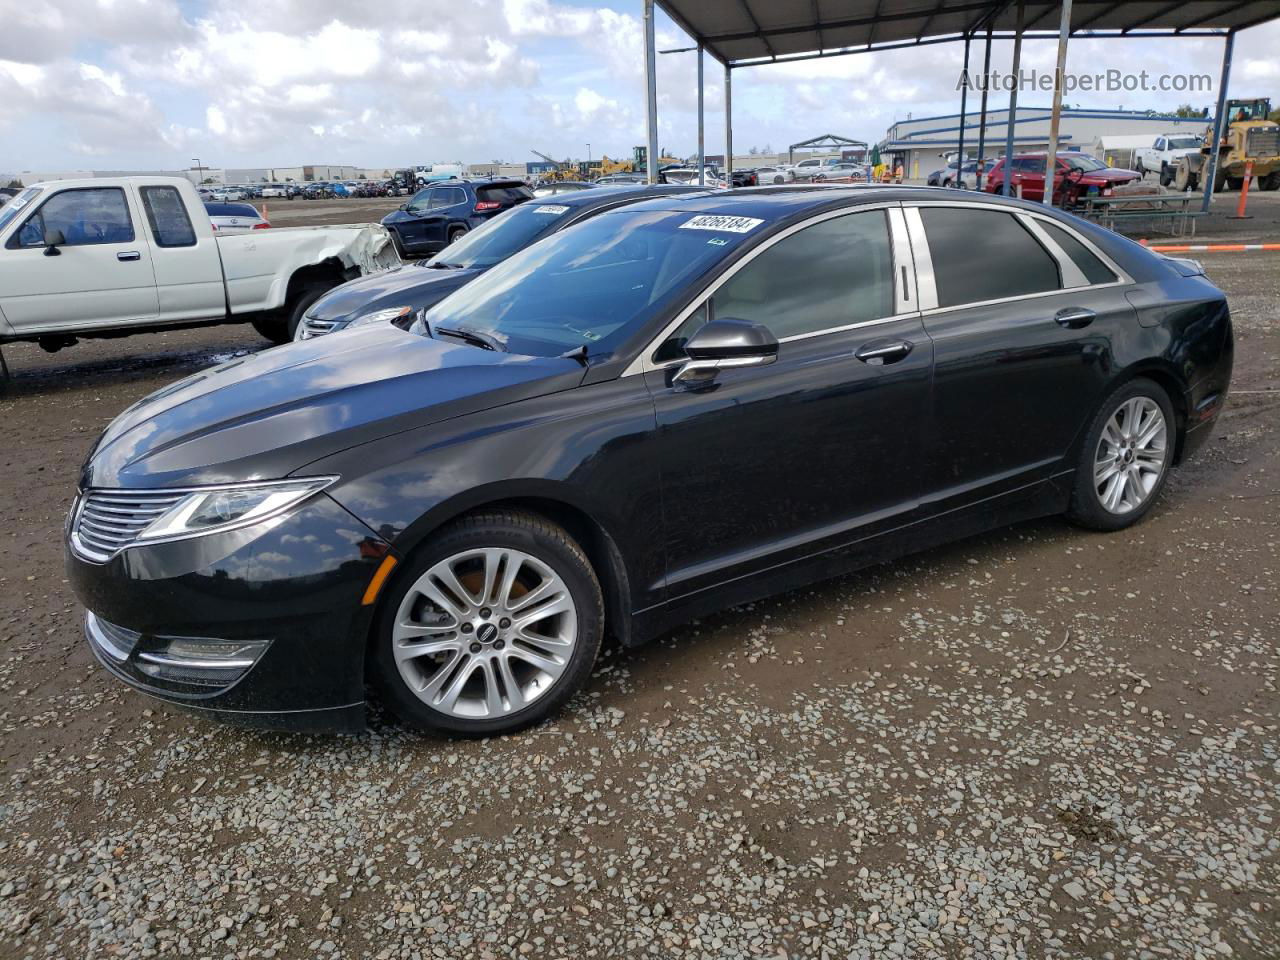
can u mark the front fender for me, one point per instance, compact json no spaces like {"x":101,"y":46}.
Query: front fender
{"x":590,"y":449}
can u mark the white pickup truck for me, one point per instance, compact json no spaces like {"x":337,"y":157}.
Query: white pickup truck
{"x":1163,"y":155}
{"x":118,"y":255}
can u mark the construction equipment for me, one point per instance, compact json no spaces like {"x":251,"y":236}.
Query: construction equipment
{"x":608,"y":166}
{"x":1249,"y":137}
{"x":563,"y":169}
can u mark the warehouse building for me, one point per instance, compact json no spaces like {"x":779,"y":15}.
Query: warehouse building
{"x":922,"y":144}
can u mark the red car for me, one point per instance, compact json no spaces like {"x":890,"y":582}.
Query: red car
{"x":1078,"y":175}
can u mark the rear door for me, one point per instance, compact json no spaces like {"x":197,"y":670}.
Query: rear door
{"x":772,"y":464}
{"x":101,"y":277}
{"x":1022,"y":325}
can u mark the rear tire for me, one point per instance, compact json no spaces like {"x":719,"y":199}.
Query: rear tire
{"x":1125,"y":458}
{"x":485,"y":674}
{"x":455,"y":233}
{"x":1271,"y":181}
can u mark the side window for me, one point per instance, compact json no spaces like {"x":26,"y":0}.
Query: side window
{"x":168,"y":218}
{"x":1094,"y":270}
{"x":97,"y":215}
{"x":440,"y":198}
{"x":673,"y":347}
{"x":832,"y":274}
{"x":1159,"y":143}
{"x":983,"y":255}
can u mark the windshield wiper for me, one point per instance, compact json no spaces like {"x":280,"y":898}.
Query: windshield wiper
{"x":473,"y":337}
{"x":440,"y":265}
{"x":578,"y":353}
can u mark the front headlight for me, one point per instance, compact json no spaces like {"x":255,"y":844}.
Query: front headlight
{"x":218,"y":509}
{"x":381,"y":316}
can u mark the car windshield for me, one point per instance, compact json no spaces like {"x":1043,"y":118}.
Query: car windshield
{"x":502,"y":236}
{"x":1080,"y":161}
{"x":16,"y":205}
{"x":1183,"y":143}
{"x":592,"y":285}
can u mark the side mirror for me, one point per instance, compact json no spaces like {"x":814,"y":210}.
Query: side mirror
{"x":726,"y":343}
{"x":53,"y":239}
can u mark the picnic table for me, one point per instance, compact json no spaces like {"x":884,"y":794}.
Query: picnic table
{"x":1143,"y":212}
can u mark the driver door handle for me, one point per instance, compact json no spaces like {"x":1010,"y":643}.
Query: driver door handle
{"x":879,"y":352}
{"x":128,"y":255}
{"x":1075,"y":317}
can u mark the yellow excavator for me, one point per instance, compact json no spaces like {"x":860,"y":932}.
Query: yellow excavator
{"x":563,"y":170}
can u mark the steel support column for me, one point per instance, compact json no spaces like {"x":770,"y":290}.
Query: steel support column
{"x":702,"y":159}
{"x":651,"y":92}
{"x":1059,"y":78}
{"x":1013,"y":100}
{"x":728,"y":125}
{"x":982,"y":112}
{"x":1219,"y":122}
{"x":964,"y":102}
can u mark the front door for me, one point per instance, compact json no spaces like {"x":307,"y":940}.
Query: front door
{"x":771,"y":464}
{"x":101,"y":276}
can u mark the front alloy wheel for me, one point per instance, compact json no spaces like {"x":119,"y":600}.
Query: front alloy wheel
{"x":484,"y":633}
{"x":493,"y":628}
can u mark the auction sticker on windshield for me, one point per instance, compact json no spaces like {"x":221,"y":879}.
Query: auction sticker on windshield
{"x":554,"y":209}
{"x":722,"y":223}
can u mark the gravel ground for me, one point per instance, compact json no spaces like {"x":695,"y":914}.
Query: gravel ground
{"x":1036,"y":743}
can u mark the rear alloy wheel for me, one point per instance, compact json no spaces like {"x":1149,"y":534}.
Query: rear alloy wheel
{"x":456,"y":233}
{"x":493,"y":630}
{"x":1126,"y":457}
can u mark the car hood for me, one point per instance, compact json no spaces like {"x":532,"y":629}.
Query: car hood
{"x":398,"y":216}
{"x":410,"y":285}
{"x":267,"y":415}
{"x":1111,"y":175}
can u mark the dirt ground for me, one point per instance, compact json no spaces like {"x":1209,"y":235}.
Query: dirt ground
{"x":1038,"y":742}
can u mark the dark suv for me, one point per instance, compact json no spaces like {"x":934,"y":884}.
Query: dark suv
{"x":439,"y":214}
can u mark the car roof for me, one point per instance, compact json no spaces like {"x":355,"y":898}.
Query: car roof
{"x":585,"y":199}
{"x":785,"y":202}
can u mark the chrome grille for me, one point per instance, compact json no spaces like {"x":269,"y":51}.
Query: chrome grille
{"x":107,"y":521}
{"x":311,"y":327}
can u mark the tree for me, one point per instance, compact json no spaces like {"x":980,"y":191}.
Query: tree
{"x":1274,"y":116}
{"x":15,"y":183}
{"x":1187,"y":110}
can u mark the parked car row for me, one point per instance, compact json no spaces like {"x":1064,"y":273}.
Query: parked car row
{"x":629,"y":411}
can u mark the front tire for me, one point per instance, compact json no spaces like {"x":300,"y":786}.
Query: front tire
{"x":1125,"y":459}
{"x":490,"y":628}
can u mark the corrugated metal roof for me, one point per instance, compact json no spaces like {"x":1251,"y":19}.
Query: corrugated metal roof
{"x":739,"y":32}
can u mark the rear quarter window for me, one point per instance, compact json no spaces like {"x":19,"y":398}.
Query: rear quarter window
{"x":504,"y":194}
{"x":1094,"y":270}
{"x":167,"y":217}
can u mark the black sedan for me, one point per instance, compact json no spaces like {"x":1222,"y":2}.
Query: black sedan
{"x":674,"y":406}
{"x":395,"y":296}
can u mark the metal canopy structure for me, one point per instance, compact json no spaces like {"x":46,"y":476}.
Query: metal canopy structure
{"x":829,"y":141}
{"x":743,"y":33}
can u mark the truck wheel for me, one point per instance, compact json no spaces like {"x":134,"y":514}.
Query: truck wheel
{"x":1270,"y":182}
{"x":1235,"y":183}
{"x":1184,"y":179}
{"x":1166,"y":177}
{"x":1142,"y":170}
{"x":279,"y":327}
{"x":1219,"y":180}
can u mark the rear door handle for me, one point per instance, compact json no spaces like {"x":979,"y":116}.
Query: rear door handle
{"x":1075,"y":317}
{"x":128,"y":255}
{"x":879,"y":352}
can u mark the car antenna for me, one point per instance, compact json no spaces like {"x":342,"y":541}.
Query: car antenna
{"x":578,"y":353}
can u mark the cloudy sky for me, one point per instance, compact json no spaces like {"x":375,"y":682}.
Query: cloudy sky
{"x":121,"y":84}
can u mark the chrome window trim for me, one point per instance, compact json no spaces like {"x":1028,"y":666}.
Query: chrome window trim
{"x":1070,"y":275}
{"x":644,"y":361}
{"x":911,"y":210}
{"x":926,"y":283}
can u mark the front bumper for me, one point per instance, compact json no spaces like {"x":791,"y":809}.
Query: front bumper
{"x":262,"y":626}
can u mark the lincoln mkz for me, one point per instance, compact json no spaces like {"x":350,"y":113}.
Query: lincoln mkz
{"x":672,"y":407}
